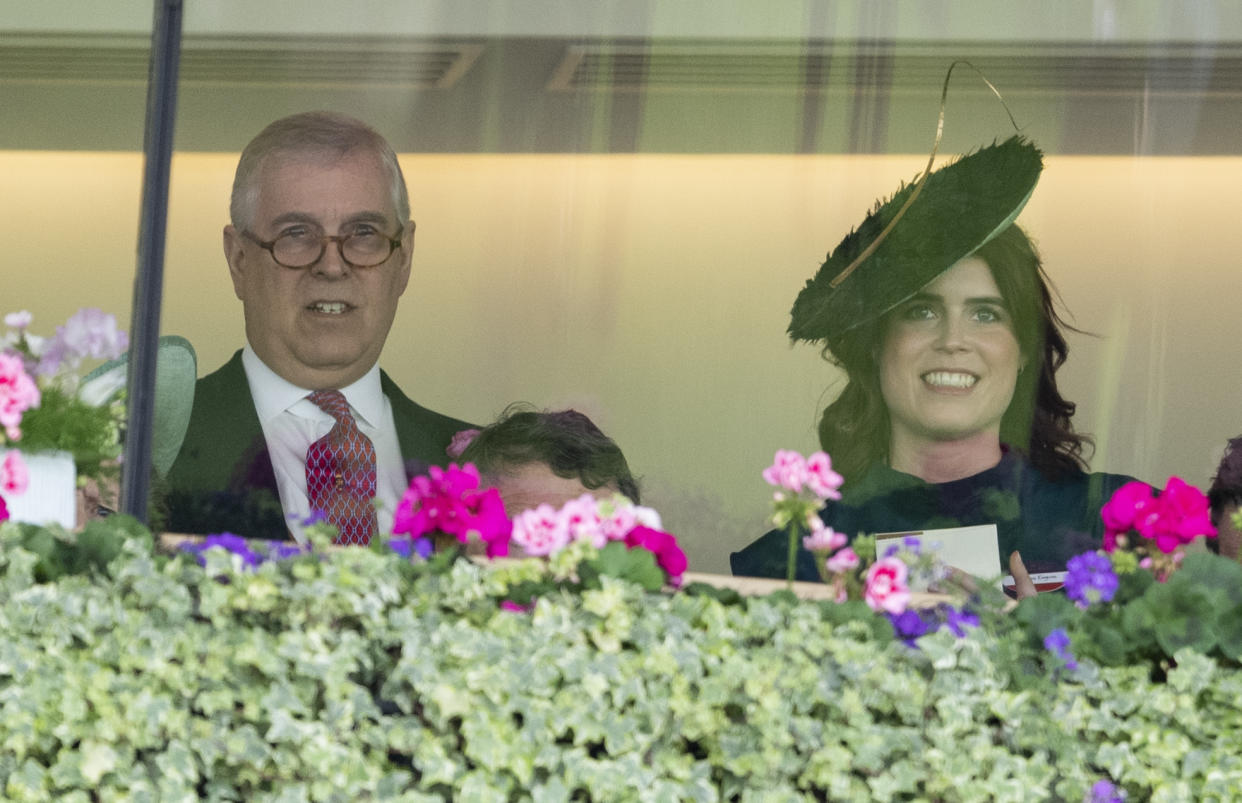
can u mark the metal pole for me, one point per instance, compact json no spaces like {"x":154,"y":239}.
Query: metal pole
{"x":149,"y":279}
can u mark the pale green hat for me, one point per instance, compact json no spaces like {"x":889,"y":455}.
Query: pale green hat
{"x":176,"y":370}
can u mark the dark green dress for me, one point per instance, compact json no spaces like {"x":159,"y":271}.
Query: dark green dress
{"x":1048,"y":521}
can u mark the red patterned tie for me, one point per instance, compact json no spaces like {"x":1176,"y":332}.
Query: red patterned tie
{"x":340,"y":472}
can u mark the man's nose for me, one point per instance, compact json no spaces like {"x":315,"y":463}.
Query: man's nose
{"x":332,"y":264}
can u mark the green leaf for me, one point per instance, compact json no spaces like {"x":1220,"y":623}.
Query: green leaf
{"x":1185,"y":617}
{"x":725,"y":596}
{"x":636,"y":565}
{"x":1229,"y":632}
{"x":1207,"y":571}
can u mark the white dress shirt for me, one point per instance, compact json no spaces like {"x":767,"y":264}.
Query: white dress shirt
{"x":291,"y":423}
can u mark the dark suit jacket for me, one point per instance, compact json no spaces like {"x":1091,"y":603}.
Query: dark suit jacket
{"x":223,"y":480}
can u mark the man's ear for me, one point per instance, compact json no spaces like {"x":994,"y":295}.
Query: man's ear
{"x":234,"y":251}
{"x":407,"y":254}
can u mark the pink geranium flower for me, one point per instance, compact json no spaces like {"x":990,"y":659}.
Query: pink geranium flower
{"x":822,"y":538}
{"x":14,"y":479}
{"x":846,"y":560}
{"x":4,"y":510}
{"x":886,"y":588}
{"x":821,"y":479}
{"x":788,"y":471}
{"x":540,"y":530}
{"x":460,"y":441}
{"x":582,"y":520}
{"x":18,"y":393}
{"x":619,"y":522}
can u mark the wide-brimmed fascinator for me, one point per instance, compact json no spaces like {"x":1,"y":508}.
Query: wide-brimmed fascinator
{"x":917,"y":234}
{"x":957,"y":209}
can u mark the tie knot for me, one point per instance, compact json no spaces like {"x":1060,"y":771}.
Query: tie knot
{"x":333,"y":403}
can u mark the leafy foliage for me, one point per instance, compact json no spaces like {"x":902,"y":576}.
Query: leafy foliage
{"x":127,"y":674}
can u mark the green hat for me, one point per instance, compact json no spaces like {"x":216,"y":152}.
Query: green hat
{"x":176,"y":369}
{"x":960,"y":208}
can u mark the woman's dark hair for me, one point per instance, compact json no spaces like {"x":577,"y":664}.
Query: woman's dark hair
{"x":567,"y":441}
{"x":1226,"y":490}
{"x":855,"y":430}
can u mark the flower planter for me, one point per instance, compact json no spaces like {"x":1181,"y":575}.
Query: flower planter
{"x":52,"y":493}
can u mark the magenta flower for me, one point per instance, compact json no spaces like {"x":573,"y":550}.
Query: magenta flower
{"x":448,"y":501}
{"x":846,"y":560}
{"x":788,"y":471}
{"x":1126,"y":506}
{"x":886,"y":588}
{"x":4,"y":510}
{"x":1186,"y":511}
{"x":664,"y":546}
{"x":490,"y":522}
{"x":18,"y":393}
{"x":540,"y":531}
{"x":14,"y":478}
{"x":821,"y":479}
{"x":460,"y":441}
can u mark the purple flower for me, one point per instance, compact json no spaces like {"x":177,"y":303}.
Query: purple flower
{"x":233,"y":543}
{"x":283,"y":551}
{"x":910,"y":624}
{"x":1104,"y":791}
{"x":405,"y":546}
{"x":1089,"y":579}
{"x":1058,"y":642}
{"x":313,"y":518}
{"x":957,"y":621}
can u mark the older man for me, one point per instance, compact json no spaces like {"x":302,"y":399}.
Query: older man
{"x":302,"y":420}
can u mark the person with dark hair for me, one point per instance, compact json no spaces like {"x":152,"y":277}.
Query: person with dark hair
{"x":939,"y":312}
{"x":302,"y":420}
{"x":536,"y":458}
{"x":1225,"y":498}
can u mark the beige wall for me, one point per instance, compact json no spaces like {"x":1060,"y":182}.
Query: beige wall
{"x":652,"y":292}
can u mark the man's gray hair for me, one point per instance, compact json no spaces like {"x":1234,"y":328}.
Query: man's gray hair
{"x":326,"y":134}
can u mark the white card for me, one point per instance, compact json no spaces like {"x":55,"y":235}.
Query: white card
{"x":975,"y":550}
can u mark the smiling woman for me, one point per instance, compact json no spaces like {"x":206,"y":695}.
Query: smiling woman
{"x":938,"y":310}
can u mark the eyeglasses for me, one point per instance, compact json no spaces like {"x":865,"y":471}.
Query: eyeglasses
{"x":362,"y":246}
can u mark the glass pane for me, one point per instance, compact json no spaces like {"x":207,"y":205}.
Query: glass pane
{"x":617,"y":202}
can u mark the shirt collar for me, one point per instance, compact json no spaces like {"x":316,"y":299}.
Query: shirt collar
{"x":274,"y":394}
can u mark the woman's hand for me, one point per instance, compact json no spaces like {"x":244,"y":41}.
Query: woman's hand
{"x":1022,"y":584}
